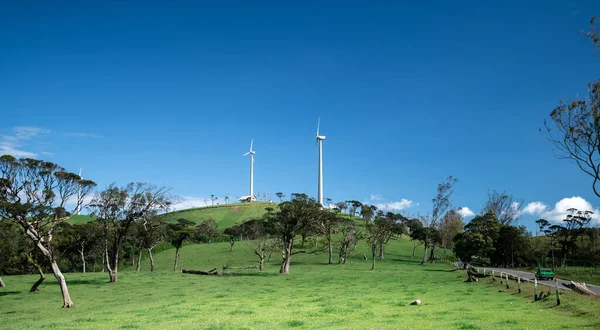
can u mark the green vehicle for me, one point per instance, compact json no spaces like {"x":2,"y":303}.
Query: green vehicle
{"x":544,"y":274}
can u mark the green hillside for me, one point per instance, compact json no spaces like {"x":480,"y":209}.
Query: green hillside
{"x":314,"y":296}
{"x":225,"y":215}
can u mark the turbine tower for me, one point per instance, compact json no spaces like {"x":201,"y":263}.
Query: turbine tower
{"x":79,"y":194}
{"x":320,"y":139}
{"x":251,"y":153}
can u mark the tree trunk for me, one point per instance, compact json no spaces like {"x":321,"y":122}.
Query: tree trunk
{"x":231,"y":242}
{"x":137,"y":269}
{"x":381,"y":255}
{"x":67,"y":302}
{"x":32,"y":233}
{"x":432,"y":254}
{"x":112,"y":265}
{"x":424,"y":255}
{"x":2,"y":283}
{"x":302,"y":241}
{"x":35,"y":286}
{"x":151,"y":259}
{"x":287,"y":257}
{"x":414,"y":249}
{"x":262,"y":262}
{"x":103,"y":264}
{"x":176,"y":259}
{"x":82,"y":257}
{"x":373,"y":254}
{"x":270,"y":253}
{"x":330,"y":250}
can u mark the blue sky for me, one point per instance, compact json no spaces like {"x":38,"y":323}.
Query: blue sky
{"x":408,"y":93}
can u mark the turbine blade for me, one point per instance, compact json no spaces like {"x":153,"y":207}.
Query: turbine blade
{"x":251,"y":143}
{"x":246,"y":154}
{"x":318,"y":125}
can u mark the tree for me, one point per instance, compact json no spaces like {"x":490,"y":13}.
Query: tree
{"x":34,"y":194}
{"x":213,"y":198}
{"x":506,"y":208}
{"x":118,"y":208}
{"x":327,"y":221}
{"x":568,"y":231}
{"x":292,"y":219}
{"x":511,"y":245}
{"x":178,"y":233}
{"x":416,"y":231}
{"x":574,"y":127}
{"x":280,"y":195}
{"x":261,"y":248}
{"x":207,"y":230}
{"x":151,"y":231}
{"x":86,"y":239}
{"x":472,"y":243}
{"x":367,"y":212}
{"x":227,"y":198}
{"x":441,"y":204}
{"x":451,"y":225}
{"x":349,"y":237}
{"x":353,"y":206}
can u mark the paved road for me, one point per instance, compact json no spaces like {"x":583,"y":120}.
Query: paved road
{"x":530,"y":276}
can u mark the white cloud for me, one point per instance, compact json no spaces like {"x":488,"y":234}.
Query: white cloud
{"x":559,"y":212}
{"x":466,"y":212}
{"x":535,"y":208}
{"x":12,"y":144}
{"x":375,"y":197}
{"x":395,"y":206}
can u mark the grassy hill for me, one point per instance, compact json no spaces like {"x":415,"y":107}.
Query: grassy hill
{"x":225,"y":215}
{"x":314,"y":295}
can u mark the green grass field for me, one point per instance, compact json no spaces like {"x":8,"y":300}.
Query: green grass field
{"x":314,"y":295}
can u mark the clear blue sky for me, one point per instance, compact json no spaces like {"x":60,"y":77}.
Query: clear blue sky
{"x":408,"y":93}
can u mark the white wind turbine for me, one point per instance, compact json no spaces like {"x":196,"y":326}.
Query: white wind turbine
{"x":251,"y":153}
{"x":320,"y":139}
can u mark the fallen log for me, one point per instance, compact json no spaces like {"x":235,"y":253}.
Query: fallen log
{"x":201,"y":272}
{"x":580,"y":288}
{"x":249,"y":267}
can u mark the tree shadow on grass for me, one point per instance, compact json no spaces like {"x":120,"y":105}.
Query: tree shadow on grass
{"x":257,"y":274}
{"x":441,"y":270}
{"x":6,"y":293}
{"x":86,"y":282}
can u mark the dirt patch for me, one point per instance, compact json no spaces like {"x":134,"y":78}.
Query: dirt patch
{"x":235,"y":209}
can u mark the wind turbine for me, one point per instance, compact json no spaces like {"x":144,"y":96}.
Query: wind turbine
{"x":79,"y":194}
{"x":320,"y":139}
{"x":251,"y":153}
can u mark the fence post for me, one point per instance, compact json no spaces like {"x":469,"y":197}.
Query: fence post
{"x":519,"y":283}
{"x":507,"y":281}
{"x":557,"y":293}
{"x":501,"y":277}
{"x":535,"y":296}
{"x":493,"y":275}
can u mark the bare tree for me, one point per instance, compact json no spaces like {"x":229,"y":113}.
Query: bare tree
{"x":213,"y":198}
{"x":506,"y":208}
{"x":441,"y":204}
{"x":34,"y":194}
{"x":574,"y":127}
{"x":263,"y":247}
{"x":117,"y":208}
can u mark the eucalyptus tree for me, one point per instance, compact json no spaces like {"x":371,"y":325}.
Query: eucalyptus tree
{"x":178,"y":233}
{"x":35,"y":194}
{"x":117,"y":208}
{"x":441,"y":204}
{"x":293,"y":218}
